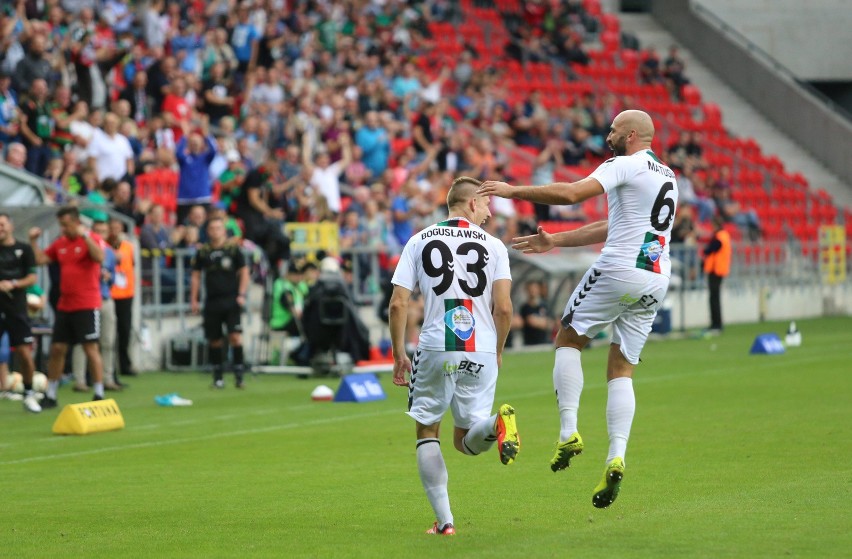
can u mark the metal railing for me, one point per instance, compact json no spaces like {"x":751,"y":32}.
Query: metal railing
{"x":165,"y":289}
{"x":165,"y":280}
{"x":764,"y":264}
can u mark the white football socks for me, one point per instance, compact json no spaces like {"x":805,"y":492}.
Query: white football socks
{"x":620,"y":407}
{"x":568,"y":383}
{"x":480,"y":437}
{"x":52,"y":389}
{"x":433,"y":475}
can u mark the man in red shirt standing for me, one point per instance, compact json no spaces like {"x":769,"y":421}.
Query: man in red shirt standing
{"x":79,"y":254}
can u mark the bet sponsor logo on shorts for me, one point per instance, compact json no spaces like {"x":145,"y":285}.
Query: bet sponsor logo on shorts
{"x":464,"y":367}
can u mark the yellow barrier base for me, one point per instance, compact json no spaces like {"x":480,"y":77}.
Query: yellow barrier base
{"x":89,"y":417}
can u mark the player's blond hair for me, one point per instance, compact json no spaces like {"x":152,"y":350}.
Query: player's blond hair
{"x":462,"y":190}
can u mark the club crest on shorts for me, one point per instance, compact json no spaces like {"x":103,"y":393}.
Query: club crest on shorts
{"x":460,"y":321}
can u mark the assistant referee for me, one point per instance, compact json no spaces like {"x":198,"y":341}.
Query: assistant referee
{"x":226,"y":279}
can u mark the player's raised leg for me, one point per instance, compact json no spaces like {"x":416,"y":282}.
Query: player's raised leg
{"x":472,"y":404}
{"x":508,"y":440}
{"x":501,"y":428}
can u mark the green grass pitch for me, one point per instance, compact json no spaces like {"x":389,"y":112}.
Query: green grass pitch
{"x":731,"y":455}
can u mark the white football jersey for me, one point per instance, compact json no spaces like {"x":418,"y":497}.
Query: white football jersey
{"x":455,"y":263}
{"x":642,"y":196}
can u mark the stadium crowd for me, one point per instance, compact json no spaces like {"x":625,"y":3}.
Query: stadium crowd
{"x":287,"y":111}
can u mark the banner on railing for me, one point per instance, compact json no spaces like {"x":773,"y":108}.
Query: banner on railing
{"x":310,"y":237}
{"x":832,"y":254}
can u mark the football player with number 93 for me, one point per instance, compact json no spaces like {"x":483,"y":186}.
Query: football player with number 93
{"x":624,"y":287}
{"x":463,"y":273}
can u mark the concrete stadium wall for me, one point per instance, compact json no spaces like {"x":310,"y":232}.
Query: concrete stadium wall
{"x":744,"y":305}
{"x":802,"y":115}
{"x":810,"y":38}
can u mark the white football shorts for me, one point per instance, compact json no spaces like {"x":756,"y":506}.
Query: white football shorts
{"x":627,"y":299}
{"x":459,"y":380}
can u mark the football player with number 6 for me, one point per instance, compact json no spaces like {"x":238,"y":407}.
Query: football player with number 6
{"x":624,"y":287}
{"x":463,"y":273}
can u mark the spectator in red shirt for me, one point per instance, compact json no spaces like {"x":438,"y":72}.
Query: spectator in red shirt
{"x":176,"y":107}
{"x":79,"y":254}
{"x":534,"y":13}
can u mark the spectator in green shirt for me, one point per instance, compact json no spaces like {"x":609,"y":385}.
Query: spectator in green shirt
{"x":231,"y":180}
{"x":287,"y":302}
{"x":98,"y":201}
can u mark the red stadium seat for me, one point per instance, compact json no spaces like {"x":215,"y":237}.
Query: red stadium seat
{"x":712,"y":114}
{"x":733,"y":231}
{"x":610,"y":22}
{"x":524,"y":208}
{"x":605,"y":58}
{"x":800,"y":179}
{"x":773,"y":232}
{"x":630,"y":59}
{"x":593,"y":7}
{"x":691,"y":95}
{"x":610,"y":40}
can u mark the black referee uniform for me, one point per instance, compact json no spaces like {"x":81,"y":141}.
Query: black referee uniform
{"x":16,"y":263}
{"x":17,"y":268}
{"x":221,"y":313}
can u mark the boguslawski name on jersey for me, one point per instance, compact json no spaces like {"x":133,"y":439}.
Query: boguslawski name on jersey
{"x":453,"y":232}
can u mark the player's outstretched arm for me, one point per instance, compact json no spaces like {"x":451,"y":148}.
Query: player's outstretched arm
{"x":554,"y":194}
{"x":542,"y":241}
{"x":591,"y":234}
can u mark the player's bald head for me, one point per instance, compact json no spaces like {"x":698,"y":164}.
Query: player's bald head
{"x":640,"y":121}
{"x":462,"y":190}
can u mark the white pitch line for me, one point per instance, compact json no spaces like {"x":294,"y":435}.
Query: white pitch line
{"x":262,"y":411}
{"x":150,"y":444}
{"x":148,"y":426}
